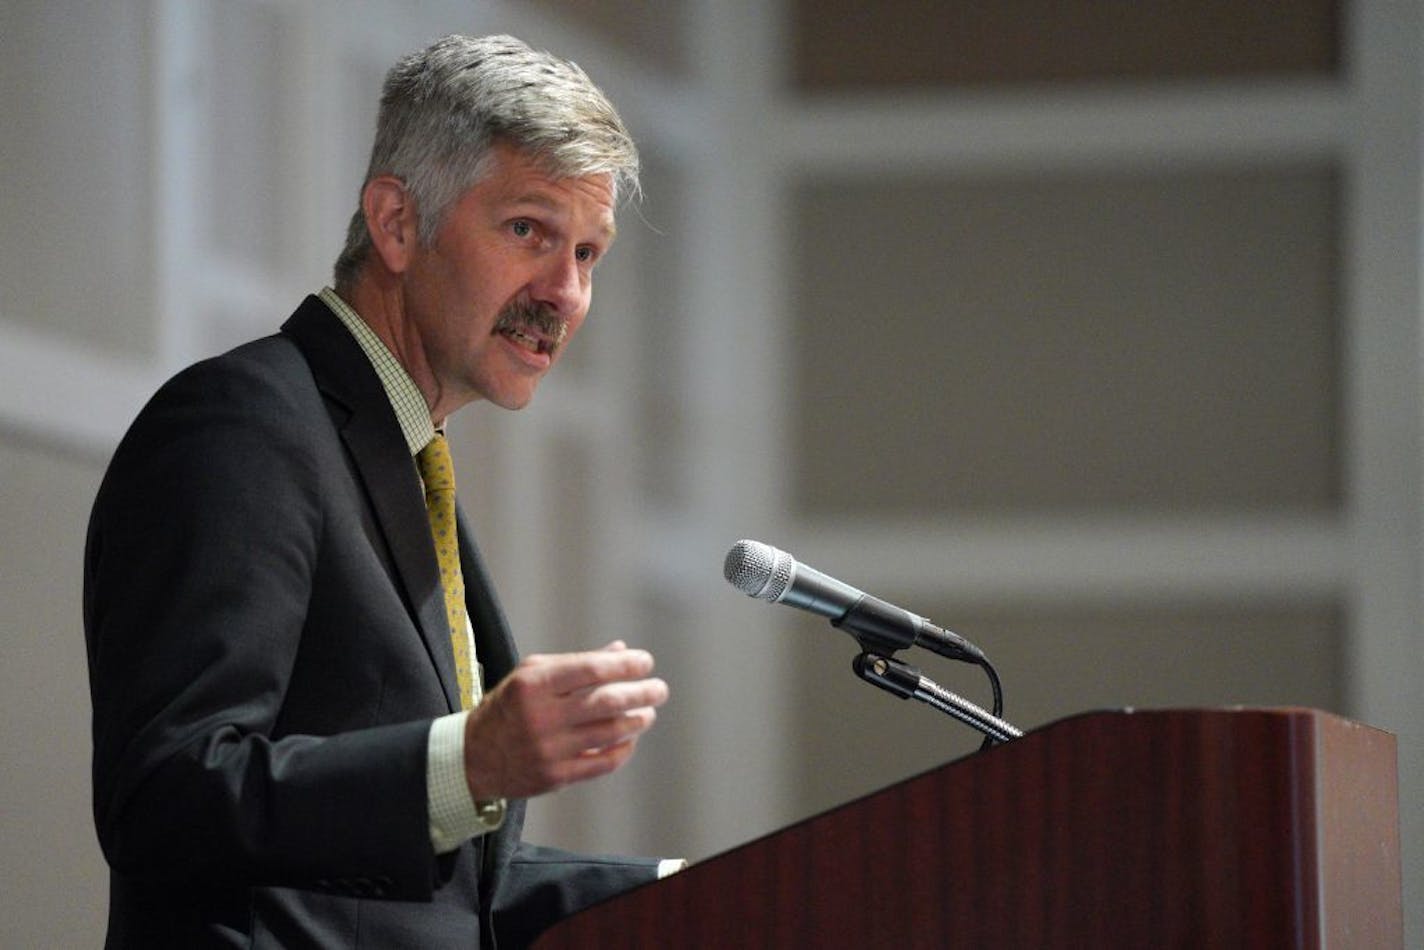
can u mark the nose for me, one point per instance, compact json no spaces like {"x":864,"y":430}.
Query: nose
{"x":562,"y":285}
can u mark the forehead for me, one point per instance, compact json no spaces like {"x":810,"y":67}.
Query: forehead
{"x":515,"y":178}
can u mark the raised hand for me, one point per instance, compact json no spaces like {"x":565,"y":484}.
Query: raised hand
{"x":560,"y":718}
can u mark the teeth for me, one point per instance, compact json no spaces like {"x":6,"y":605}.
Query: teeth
{"x":523,"y":339}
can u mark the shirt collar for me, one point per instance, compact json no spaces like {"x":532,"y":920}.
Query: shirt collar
{"x":406,"y":400}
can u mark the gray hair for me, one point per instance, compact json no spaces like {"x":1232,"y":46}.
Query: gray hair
{"x":443,"y":108}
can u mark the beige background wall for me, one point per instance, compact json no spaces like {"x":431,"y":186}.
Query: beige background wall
{"x":1095,"y":339}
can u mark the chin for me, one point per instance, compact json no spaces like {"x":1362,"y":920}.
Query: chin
{"x":506,"y":390}
{"x":513,"y":401}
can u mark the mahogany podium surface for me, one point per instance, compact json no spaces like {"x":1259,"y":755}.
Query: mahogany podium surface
{"x":1172,"y":828}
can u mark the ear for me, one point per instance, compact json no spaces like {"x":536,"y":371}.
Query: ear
{"x":391,"y":221}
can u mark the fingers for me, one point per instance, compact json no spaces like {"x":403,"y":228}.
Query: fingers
{"x":562,"y":725}
{"x":599,"y":762}
{"x":598,"y":734}
{"x":611,"y":645}
{"x":611,"y":699}
{"x":561,"y":718}
{"x":566,"y":672}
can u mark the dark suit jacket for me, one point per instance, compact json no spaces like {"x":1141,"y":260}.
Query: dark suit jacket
{"x":267,"y":648}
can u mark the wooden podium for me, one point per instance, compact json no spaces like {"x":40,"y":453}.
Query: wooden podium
{"x":1175,"y":828}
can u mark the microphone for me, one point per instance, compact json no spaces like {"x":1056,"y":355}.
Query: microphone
{"x":762,"y":571}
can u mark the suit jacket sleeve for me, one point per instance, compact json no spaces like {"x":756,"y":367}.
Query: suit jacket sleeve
{"x":205,"y":547}
{"x":543,"y":885}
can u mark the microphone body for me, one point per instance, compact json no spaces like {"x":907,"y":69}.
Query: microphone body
{"x":762,"y":571}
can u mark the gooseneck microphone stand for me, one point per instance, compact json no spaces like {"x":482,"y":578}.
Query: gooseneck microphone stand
{"x":902,"y":680}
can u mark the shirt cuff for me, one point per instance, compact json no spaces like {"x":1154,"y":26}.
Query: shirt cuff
{"x":669,"y":866}
{"x":454,"y":816}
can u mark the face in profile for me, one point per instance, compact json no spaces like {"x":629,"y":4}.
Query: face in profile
{"x":507,"y":280}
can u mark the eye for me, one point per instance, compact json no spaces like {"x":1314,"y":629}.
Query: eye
{"x":585,"y":254}
{"x":522,"y":228}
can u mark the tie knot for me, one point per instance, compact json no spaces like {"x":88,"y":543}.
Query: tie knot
{"x":436,"y":468}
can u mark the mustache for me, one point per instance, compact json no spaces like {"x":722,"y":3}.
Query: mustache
{"x":539,"y":317}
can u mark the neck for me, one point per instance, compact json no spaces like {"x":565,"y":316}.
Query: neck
{"x":380,"y":304}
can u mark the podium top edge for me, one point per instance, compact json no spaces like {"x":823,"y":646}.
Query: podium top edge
{"x":1302,"y":713}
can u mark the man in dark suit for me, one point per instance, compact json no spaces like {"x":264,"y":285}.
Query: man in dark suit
{"x":293,"y":745}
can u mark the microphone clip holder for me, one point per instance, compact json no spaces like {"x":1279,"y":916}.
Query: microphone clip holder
{"x":902,"y":680}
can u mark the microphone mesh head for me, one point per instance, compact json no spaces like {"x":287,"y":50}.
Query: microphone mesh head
{"x":758,"y":570}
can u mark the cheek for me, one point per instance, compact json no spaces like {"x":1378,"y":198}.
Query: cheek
{"x":575,"y":323}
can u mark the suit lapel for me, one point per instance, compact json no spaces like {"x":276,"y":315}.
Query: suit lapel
{"x":381,"y":458}
{"x":498,"y":655}
{"x":493,"y":642}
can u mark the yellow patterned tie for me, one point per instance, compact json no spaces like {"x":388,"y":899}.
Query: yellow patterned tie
{"x":438,"y":473}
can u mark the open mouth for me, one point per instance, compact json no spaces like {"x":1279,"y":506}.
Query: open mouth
{"x":533,"y":328}
{"x":528,"y":341}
